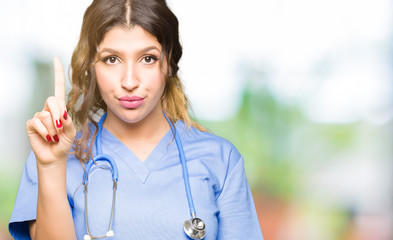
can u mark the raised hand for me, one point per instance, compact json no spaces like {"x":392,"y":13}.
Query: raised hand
{"x":51,"y":131}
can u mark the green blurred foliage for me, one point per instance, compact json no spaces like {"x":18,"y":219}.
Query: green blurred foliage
{"x":262,"y":132}
{"x":279,"y":143}
{"x":8,"y":187}
{"x":9,"y":181}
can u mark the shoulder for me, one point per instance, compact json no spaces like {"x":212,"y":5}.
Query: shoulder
{"x":209,"y":143}
{"x":194,"y":135}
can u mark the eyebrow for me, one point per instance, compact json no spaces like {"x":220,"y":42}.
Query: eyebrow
{"x":139,"y":52}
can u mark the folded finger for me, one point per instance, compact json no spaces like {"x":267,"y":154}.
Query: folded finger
{"x":68,"y":126}
{"x":36,"y":126}
{"x":46,"y":120}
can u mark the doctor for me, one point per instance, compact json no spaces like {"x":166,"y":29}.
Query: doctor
{"x":125,"y":65}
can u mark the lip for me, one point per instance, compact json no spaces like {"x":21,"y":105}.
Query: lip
{"x":131,"y":101}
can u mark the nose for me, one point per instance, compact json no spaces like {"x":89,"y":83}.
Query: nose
{"x":130,"y":78}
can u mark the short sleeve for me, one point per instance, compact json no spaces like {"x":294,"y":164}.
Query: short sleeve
{"x":237,"y":217}
{"x":25,"y":208}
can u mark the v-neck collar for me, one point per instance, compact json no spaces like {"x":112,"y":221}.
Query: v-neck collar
{"x":141,"y":169}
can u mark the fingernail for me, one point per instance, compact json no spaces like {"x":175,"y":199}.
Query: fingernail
{"x":65,"y":115}
{"x":56,"y":138}
{"x":48,"y":138}
{"x":58,"y":124}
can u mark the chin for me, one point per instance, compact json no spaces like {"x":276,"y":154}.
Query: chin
{"x":132,"y":119}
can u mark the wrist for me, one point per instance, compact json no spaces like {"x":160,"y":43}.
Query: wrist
{"x":53,"y":174}
{"x":58,"y":163}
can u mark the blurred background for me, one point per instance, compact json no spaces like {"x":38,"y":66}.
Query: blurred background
{"x":303,"y":88}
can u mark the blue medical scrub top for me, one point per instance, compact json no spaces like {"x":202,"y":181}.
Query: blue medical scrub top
{"x":151,"y":202}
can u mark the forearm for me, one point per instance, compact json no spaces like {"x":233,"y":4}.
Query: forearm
{"x":54,"y":218}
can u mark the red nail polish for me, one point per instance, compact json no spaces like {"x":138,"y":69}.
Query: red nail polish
{"x":48,"y":138}
{"x":58,"y":124}
{"x":65,"y":115}
{"x":56,"y":138}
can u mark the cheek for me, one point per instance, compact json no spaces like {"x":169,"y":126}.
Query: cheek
{"x":160,"y":85}
{"x":155,"y":81}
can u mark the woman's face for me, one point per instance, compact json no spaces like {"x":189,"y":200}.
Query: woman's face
{"x":129,"y":74}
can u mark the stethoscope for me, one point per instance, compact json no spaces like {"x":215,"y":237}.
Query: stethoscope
{"x":194,"y":227}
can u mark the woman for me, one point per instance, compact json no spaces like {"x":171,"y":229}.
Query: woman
{"x":125,"y":65}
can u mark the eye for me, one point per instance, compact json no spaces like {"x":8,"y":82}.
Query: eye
{"x":149,"y":59}
{"x":110,"y":60}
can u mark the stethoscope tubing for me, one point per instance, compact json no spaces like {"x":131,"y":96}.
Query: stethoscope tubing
{"x":184,"y":169}
{"x":98,"y":137}
{"x":102,"y":157}
{"x":115,"y":177}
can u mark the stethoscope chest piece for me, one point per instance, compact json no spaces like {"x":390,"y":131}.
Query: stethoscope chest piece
{"x":195,"y":228}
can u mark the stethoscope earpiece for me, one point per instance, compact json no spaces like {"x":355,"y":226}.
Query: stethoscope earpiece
{"x":87,"y":237}
{"x":195,"y":228}
{"x":110,"y":233}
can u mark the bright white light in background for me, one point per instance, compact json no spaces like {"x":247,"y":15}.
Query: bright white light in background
{"x":211,"y":41}
{"x":357,"y":82}
{"x":355,"y":90}
{"x":39,"y":29}
{"x":291,"y":37}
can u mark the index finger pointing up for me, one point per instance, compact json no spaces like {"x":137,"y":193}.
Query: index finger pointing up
{"x":59,"y":79}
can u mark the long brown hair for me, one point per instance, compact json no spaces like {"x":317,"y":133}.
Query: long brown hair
{"x":85,"y":100}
